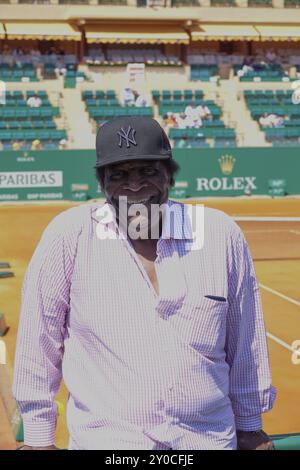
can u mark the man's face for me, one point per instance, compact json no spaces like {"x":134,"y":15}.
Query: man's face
{"x":142,"y":182}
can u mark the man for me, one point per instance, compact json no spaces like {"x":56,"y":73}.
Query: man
{"x":34,"y":101}
{"x":204,"y":111}
{"x":160,"y":345}
{"x":141,"y":101}
{"x":36,"y":145}
{"x":265,"y":120}
{"x":127,"y":96}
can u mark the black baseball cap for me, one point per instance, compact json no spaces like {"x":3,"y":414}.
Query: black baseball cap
{"x":131,"y":138}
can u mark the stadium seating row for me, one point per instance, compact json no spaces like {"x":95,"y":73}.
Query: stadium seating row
{"x":158,"y":95}
{"x":56,"y":134}
{"x":47,"y":111}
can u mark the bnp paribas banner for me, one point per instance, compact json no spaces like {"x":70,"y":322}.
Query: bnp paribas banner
{"x":47,"y":175}
{"x":70,"y":174}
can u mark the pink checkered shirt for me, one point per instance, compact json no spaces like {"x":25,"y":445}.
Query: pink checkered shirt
{"x":178,"y":369}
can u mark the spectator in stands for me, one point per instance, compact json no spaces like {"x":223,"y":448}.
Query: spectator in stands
{"x":190,"y":122}
{"x":183,"y":143}
{"x":170,"y":119}
{"x":35,"y":56}
{"x":16,"y":145}
{"x":127,"y":96}
{"x":35,"y":52}
{"x":36,"y":145}
{"x":271,"y":56}
{"x":204,"y":112}
{"x":52,"y":51}
{"x":141,"y":101}
{"x":6,"y":50}
{"x":192,"y":112}
{"x":198,"y":123}
{"x":247,"y":66}
{"x":34,"y":101}
{"x":265,"y":120}
{"x":60,"y":68}
{"x":63,"y":144}
{"x":261,"y":65}
{"x":8,"y":55}
{"x":181,"y":120}
{"x":276,"y":120}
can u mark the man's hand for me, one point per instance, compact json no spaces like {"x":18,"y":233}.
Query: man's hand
{"x":53,"y":447}
{"x":254,"y":440}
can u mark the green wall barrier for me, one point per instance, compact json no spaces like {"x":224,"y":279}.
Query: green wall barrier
{"x":286,"y":442}
{"x":70,"y":174}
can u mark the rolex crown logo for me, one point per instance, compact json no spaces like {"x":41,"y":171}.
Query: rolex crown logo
{"x":226,"y":164}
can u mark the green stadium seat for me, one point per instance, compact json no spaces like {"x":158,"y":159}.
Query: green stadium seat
{"x":21,"y":113}
{"x":25,"y":124}
{"x":114,"y":102}
{"x":44,"y":135}
{"x":198,"y":94}
{"x":14,"y":124}
{"x":42,"y":94}
{"x":46,"y":112}
{"x":88,"y":94}
{"x":9,"y":113}
{"x":166,"y":95}
{"x":155,"y":95}
{"x":17,"y":94}
{"x":6,"y":135}
{"x":177,"y":94}
{"x":188,"y":94}
{"x":102,"y":102}
{"x":90,"y":102}
{"x":31,"y":134}
{"x":34,"y":112}
{"x":100,"y":95}
{"x":110,"y":94}
{"x":21,"y":102}
{"x":19,"y":135}
{"x":49,"y":124}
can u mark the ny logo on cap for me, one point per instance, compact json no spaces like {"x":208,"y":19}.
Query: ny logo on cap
{"x":125,"y":135}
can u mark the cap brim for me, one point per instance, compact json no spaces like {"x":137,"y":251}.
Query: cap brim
{"x":125,"y":158}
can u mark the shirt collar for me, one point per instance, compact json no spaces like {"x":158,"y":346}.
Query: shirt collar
{"x":177,"y":222}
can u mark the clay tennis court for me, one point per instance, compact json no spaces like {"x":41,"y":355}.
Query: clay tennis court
{"x":272,"y":228}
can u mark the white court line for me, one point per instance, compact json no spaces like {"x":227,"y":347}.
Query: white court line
{"x":283,"y":343}
{"x":279,"y":294}
{"x":267,"y":231}
{"x":295,"y":232}
{"x":268,"y":219}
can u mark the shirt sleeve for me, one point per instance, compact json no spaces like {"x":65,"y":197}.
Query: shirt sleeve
{"x":39,"y":351}
{"x":250,"y":389}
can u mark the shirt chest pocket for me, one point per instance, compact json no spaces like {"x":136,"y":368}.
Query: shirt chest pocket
{"x":201,"y":323}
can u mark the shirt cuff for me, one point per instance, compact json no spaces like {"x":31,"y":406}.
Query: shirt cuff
{"x":248,"y":423}
{"x":39,"y":433}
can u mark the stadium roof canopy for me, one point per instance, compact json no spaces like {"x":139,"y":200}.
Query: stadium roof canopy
{"x":225,"y":32}
{"x":48,"y":31}
{"x":135,"y":34}
{"x":279,"y":33}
